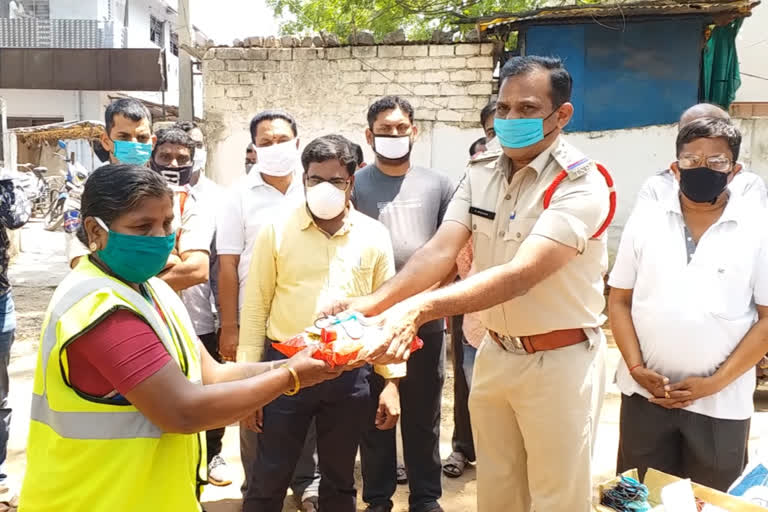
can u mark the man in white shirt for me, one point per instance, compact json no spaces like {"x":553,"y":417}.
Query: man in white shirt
{"x":687,"y":287}
{"x":272,"y":186}
{"x":274,"y":183}
{"x":664,"y":183}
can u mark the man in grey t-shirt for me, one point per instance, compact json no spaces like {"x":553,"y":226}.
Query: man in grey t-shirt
{"x":411,"y":202}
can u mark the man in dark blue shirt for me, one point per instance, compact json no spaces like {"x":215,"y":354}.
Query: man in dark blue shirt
{"x":411,"y":201}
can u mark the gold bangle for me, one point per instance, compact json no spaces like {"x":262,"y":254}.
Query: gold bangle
{"x":296,"y":383}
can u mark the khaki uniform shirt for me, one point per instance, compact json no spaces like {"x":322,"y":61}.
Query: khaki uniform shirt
{"x":501,"y":214}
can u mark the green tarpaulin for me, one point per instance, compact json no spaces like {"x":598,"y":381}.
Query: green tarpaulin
{"x":720,"y":77}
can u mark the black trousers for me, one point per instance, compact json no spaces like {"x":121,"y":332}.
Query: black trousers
{"x":709,"y":451}
{"x":420,"y":394}
{"x":212,"y":437}
{"x":340,"y":408}
{"x":462,"y":441}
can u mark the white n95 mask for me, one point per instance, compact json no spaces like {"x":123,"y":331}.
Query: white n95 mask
{"x":326,"y":201}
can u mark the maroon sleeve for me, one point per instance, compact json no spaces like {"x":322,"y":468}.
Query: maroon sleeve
{"x":118,"y":353}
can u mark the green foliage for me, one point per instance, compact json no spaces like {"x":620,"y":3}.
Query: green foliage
{"x":417,"y":17}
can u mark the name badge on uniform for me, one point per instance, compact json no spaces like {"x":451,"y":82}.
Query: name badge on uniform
{"x":482,"y":213}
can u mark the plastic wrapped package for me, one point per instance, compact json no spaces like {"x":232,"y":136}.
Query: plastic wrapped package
{"x":337,"y":340}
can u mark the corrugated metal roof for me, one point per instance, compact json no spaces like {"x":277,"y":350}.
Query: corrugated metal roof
{"x":556,"y":10}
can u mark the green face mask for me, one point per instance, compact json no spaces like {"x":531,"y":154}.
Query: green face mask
{"x":135,"y":258}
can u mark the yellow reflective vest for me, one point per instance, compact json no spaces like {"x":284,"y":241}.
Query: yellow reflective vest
{"x":88,"y":453}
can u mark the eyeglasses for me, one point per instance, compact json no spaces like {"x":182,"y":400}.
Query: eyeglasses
{"x":339,"y":183}
{"x":716,"y":162}
{"x":167,"y":159}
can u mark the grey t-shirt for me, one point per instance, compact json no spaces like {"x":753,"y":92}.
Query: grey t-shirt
{"x":411,"y":206}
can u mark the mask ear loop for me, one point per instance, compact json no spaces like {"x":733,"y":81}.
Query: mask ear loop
{"x":550,"y":132}
{"x":92,"y":246}
{"x":101,"y":224}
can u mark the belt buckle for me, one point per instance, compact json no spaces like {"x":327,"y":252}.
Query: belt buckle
{"x":513,"y":344}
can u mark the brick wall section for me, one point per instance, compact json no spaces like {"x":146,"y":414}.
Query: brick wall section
{"x":330,"y":89}
{"x":448,"y":83}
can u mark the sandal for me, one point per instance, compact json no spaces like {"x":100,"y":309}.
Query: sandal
{"x":402,"y":476}
{"x":454,"y":465}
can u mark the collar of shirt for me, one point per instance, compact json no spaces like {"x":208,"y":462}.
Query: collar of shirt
{"x":306,"y":221}
{"x":732,"y":212}
{"x":255,"y":180}
{"x":504,"y":164}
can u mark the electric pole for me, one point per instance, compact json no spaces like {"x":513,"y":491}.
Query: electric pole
{"x":5,"y":150}
{"x":186,"y":101}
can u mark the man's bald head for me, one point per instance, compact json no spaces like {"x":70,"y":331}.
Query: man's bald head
{"x":703,"y":110}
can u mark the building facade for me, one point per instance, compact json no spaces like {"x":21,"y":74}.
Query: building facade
{"x":90,"y":24}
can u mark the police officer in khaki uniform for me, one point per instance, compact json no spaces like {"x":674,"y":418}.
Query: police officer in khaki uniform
{"x":537,"y":210}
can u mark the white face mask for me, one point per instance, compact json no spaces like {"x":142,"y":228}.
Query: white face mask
{"x":201,"y":157}
{"x":326,"y":201}
{"x":278,"y":159}
{"x":392,"y":148}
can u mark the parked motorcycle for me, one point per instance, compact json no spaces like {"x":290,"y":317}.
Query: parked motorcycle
{"x":65,"y":209}
{"x":36,"y":187}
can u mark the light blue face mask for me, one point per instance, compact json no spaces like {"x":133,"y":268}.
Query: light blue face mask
{"x":132,"y":153}
{"x":520,"y":133}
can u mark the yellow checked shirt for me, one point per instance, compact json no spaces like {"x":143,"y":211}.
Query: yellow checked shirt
{"x":297,"y":270}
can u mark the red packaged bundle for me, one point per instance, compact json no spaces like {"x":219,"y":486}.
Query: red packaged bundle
{"x":337,"y":344}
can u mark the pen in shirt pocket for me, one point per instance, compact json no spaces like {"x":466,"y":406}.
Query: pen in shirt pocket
{"x":511,"y":218}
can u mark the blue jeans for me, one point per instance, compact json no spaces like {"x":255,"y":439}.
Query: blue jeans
{"x":7,"y":331}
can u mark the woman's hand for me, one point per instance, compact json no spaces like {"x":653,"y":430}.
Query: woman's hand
{"x":312,"y":371}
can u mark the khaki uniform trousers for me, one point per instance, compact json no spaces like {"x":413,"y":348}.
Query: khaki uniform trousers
{"x":534,"y":418}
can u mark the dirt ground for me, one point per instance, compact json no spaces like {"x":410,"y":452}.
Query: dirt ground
{"x":41,"y":265}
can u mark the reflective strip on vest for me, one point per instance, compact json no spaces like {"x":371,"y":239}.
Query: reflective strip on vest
{"x":93,"y":425}
{"x":96,"y":425}
{"x":85,"y":288}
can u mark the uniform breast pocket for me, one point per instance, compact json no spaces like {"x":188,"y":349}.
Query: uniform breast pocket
{"x":482,"y":234}
{"x":516,"y":231}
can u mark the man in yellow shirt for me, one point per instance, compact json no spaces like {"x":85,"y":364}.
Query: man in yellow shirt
{"x":322,"y":252}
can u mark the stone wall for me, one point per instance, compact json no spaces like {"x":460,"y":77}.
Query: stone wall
{"x":329,"y":90}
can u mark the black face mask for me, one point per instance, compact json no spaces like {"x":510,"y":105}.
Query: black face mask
{"x":702,"y":184}
{"x":174,"y":175}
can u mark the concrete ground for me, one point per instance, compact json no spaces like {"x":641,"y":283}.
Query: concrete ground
{"x":41,"y":265}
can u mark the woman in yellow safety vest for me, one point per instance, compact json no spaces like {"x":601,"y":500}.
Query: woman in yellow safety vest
{"x":123,"y":389}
